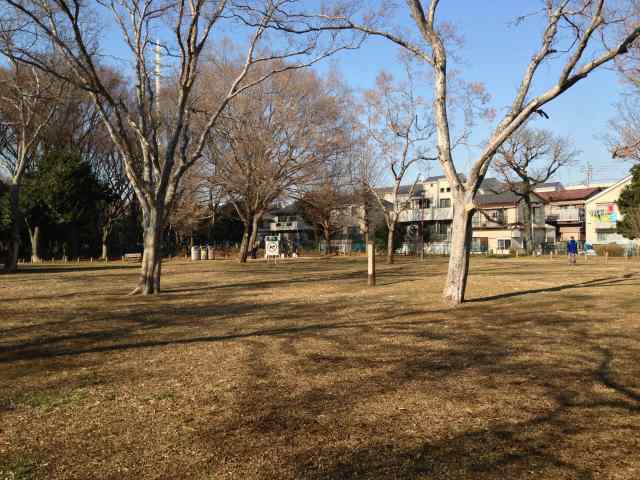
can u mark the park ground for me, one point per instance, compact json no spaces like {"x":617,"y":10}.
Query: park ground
{"x":297,"y":370}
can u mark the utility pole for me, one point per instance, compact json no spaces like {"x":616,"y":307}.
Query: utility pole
{"x":589,"y":173}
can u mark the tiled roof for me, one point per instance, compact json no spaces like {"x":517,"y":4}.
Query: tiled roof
{"x":503,"y":198}
{"x":568,"y":195}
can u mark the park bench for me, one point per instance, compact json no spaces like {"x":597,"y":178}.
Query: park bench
{"x":132,"y":257}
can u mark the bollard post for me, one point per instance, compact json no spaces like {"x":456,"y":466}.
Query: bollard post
{"x":606,"y":257}
{"x":371,"y":265}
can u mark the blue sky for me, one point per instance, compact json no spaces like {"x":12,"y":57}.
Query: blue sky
{"x":496,"y":52}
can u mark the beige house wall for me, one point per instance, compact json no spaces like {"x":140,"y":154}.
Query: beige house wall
{"x":602,"y":215}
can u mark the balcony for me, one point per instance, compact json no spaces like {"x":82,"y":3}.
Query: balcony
{"x":568,"y":215}
{"x":486,"y":223}
{"x":287,"y":226}
{"x":426,"y":214}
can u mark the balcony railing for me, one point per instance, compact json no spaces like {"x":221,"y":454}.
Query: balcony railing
{"x":426,"y":214}
{"x":566,"y":215}
{"x":278,"y":226}
{"x":486,"y":223}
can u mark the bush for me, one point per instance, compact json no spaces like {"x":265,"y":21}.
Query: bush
{"x":614,"y":250}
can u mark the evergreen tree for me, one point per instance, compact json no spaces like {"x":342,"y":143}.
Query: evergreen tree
{"x":629,"y":206}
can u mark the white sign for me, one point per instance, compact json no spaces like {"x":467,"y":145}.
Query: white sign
{"x":272,"y":248}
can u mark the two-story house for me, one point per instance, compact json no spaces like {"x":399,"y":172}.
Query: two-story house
{"x":565,"y":211}
{"x":287,"y":222}
{"x":602,"y":215}
{"x":498,"y":226}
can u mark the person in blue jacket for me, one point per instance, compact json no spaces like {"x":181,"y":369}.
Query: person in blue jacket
{"x":572,"y":251}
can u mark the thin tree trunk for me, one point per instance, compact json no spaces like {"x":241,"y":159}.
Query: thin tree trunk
{"x":244,"y":245}
{"x":151,"y":269}
{"x":105,"y":243}
{"x":390,"y":239}
{"x":327,"y":238}
{"x":34,"y":236}
{"x":254,"y":234}
{"x":11,"y":264}
{"x":460,"y":249}
{"x":366,"y":223}
{"x":527,"y":222}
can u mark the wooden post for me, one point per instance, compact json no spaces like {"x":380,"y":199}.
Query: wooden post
{"x":606,"y":256}
{"x":551,"y":255}
{"x":371,"y":270}
{"x":586,"y":257}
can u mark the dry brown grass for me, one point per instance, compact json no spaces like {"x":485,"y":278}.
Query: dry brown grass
{"x":300,"y":371}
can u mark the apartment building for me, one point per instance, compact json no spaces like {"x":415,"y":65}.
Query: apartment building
{"x":429,"y":205}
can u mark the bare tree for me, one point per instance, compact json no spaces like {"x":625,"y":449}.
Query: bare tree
{"x":28,"y":101}
{"x":400,"y":127}
{"x":196,"y":203}
{"x":118,"y":195}
{"x":322,"y":201}
{"x":578,"y":37}
{"x":155,"y":132}
{"x":528,"y":159}
{"x":277,"y":137}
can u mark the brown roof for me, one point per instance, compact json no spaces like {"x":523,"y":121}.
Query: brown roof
{"x":568,"y":195}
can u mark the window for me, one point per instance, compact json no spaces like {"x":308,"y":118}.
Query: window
{"x":504,"y":244}
{"x":441,"y":189}
{"x":479,"y":244}
{"x":445,"y":203}
{"x":605,"y":235}
{"x":442,"y":228}
{"x":497,"y":215}
{"x":448,"y":189}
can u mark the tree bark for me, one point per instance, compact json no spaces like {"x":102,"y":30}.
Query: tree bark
{"x":244,"y":245}
{"x":11,"y":264}
{"x":326,"y":233}
{"x":461,"y":235}
{"x":149,"y":281}
{"x":105,"y":243}
{"x":254,"y":234}
{"x":34,"y":236}
{"x":390,"y":239}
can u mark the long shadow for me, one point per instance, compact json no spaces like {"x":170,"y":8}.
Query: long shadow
{"x":598,"y":282}
{"x":70,"y":268}
{"x":39,"y":354}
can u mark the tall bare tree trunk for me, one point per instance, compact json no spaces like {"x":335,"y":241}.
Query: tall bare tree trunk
{"x":34,"y":236}
{"x":244,"y":245}
{"x":14,"y":243}
{"x":149,"y":281}
{"x":461,"y":235}
{"x":390,"y":239}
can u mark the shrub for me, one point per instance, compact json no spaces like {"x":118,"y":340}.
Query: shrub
{"x":614,"y":250}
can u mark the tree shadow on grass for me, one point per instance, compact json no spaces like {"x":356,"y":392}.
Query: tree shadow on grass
{"x":598,"y":282}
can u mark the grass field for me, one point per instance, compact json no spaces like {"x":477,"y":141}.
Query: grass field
{"x":299,"y":371}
